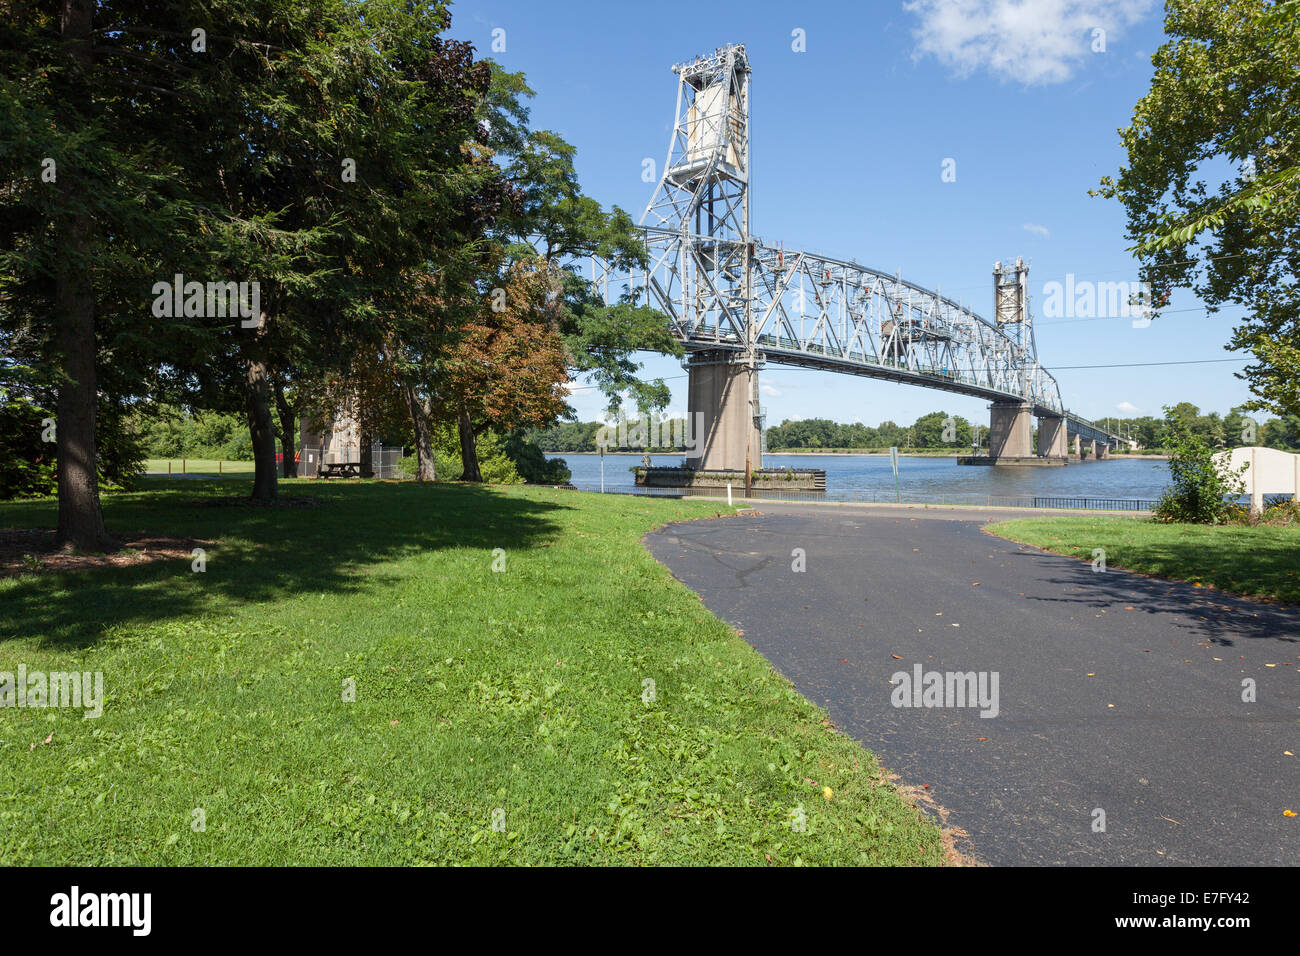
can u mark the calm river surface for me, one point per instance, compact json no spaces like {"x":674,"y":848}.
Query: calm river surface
{"x":852,"y":476}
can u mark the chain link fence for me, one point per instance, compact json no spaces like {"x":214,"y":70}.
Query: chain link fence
{"x":384,"y":460}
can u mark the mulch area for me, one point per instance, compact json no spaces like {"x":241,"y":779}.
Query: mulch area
{"x":34,"y":550}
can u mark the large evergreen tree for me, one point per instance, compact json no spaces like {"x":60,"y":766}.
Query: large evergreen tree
{"x":323,"y":152}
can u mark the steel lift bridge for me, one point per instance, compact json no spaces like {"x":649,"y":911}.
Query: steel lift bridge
{"x":737,"y":303}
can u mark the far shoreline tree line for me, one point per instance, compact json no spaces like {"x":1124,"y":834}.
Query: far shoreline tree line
{"x":937,"y":431}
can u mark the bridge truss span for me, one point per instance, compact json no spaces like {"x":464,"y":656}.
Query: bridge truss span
{"x":815,"y":311}
{"x":737,"y":303}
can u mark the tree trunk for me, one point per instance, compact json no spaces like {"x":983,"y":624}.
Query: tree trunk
{"x":288,"y":428}
{"x":423,"y":433}
{"x":367,"y":455}
{"x":262,"y":431}
{"x":81,"y":519}
{"x":468,"y":448}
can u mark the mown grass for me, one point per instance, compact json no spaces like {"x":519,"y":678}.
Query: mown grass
{"x":197,"y":466}
{"x":476,"y":691}
{"x":1256,"y":561}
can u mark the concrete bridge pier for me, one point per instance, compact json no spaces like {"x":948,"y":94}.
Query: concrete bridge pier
{"x":1011,"y":437}
{"x":722,"y":387}
{"x":1010,"y":430}
{"x":1052,"y":437}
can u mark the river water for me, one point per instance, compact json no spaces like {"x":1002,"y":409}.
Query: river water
{"x":920,"y":478}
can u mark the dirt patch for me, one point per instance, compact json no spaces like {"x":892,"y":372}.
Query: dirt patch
{"x":924,"y":802}
{"x":34,"y":551}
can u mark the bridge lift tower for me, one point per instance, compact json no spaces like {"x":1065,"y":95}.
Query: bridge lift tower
{"x":1010,"y":423}
{"x":703,"y":197}
{"x":737,"y":303}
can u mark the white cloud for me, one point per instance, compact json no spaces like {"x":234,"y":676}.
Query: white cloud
{"x":1037,"y":230}
{"x":1128,"y":408}
{"x":1029,"y":41}
{"x":769,"y":390}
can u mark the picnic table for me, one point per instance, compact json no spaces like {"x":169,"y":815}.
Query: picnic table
{"x":340,"y":469}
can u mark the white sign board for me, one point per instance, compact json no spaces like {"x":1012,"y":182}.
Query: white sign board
{"x":1270,"y":472}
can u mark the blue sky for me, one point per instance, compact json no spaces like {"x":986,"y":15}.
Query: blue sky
{"x":849,"y":140}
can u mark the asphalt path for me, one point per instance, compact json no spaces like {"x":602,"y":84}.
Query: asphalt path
{"x":1116,"y":692}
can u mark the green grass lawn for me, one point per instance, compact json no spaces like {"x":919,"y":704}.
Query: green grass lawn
{"x":198,"y":466}
{"x":1259,"y":561}
{"x":475,"y":691}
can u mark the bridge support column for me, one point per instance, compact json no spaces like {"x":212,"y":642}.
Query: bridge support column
{"x":1052,"y":437}
{"x":1103,"y":450}
{"x":1093,"y":445}
{"x":1010,"y":431}
{"x":721,"y":390}
{"x":1076,"y":448}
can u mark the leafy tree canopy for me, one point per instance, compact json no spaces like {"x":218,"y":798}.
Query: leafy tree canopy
{"x":1212,"y":184}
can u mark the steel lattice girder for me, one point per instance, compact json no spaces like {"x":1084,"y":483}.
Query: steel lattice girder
{"x":812,"y":310}
{"x":854,"y":320}
{"x":721,"y":288}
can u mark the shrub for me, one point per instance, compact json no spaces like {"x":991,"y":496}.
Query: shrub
{"x":493,"y":462}
{"x":532,"y":464}
{"x":26,"y":460}
{"x":446,"y":464}
{"x":28,"y":463}
{"x":1198,"y":489}
{"x":170,"y":432}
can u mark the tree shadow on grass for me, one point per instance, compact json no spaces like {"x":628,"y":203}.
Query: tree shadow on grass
{"x":262,"y":554}
{"x":1207,"y":613}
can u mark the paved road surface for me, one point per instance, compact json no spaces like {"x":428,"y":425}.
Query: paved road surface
{"x":1158,"y":736}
